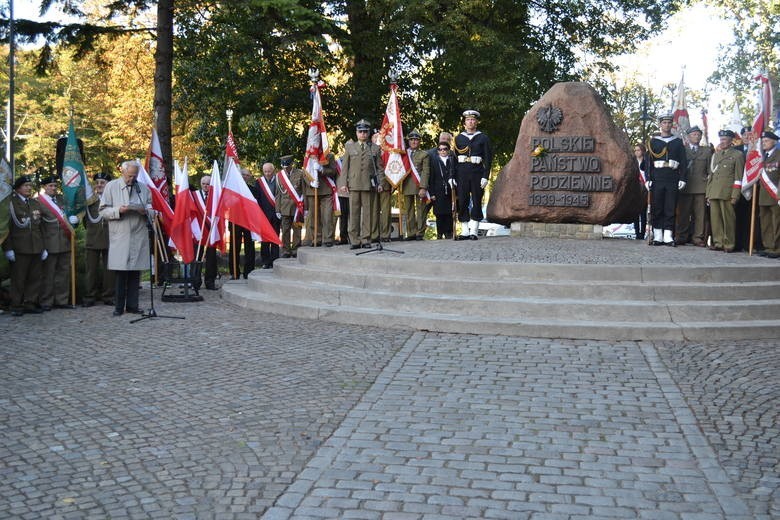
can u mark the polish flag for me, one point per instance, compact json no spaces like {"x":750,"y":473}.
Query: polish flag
{"x":754,"y":161}
{"x":155,"y":165}
{"x":217,"y":223}
{"x":159,"y":202}
{"x":391,"y":140}
{"x":317,"y":144}
{"x":185,"y":213}
{"x":240,"y":207}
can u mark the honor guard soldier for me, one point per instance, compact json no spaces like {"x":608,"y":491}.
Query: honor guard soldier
{"x":268,"y":187}
{"x":692,"y":203}
{"x":290,"y":205}
{"x":416,"y":193}
{"x":474,"y":158}
{"x":768,"y":208}
{"x":326,"y":179}
{"x":723,"y":191}
{"x":667,"y":173}
{"x":57,"y":230}
{"x":362,"y":175}
{"x":99,"y":280}
{"x":24,"y":248}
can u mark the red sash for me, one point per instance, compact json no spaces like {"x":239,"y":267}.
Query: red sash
{"x":267,"y":191}
{"x":335,"y":196}
{"x":57,"y":212}
{"x":298,"y":217}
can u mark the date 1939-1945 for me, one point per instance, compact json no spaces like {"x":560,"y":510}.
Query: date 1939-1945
{"x":579,"y":200}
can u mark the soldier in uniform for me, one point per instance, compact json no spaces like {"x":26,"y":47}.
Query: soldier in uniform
{"x":667,"y":173}
{"x":472,"y":170}
{"x":768,"y":208}
{"x":24,"y":249}
{"x":691,"y":203}
{"x":723,"y":191}
{"x":362,"y":175}
{"x":55,"y":289}
{"x":290,"y":205}
{"x":268,"y":187}
{"x":99,"y":280}
{"x":415,"y":196}
{"x":325,"y":222}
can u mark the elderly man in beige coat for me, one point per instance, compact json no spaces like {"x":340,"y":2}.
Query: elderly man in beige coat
{"x":126,"y":204}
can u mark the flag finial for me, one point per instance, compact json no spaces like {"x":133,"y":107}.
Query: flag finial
{"x":393,"y":76}
{"x":314,"y":74}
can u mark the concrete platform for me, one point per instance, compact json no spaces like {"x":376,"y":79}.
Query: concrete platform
{"x":551,"y":288}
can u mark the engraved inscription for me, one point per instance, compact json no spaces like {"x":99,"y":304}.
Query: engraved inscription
{"x":566,"y":144}
{"x":572,"y":182}
{"x":566,"y":163}
{"x":579,"y":200}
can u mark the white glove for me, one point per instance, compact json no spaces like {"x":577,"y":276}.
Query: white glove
{"x":306,"y":214}
{"x":279,"y":216}
{"x":483,"y":183}
{"x":10,"y":255}
{"x":73,"y":219}
{"x":44,"y":255}
{"x":681,"y":185}
{"x":453,"y":183}
{"x":649,"y":185}
{"x":315,"y":184}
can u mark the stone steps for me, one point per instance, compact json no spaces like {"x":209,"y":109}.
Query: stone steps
{"x":537,"y":300}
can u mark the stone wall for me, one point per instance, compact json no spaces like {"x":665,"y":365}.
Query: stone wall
{"x":556,"y":230}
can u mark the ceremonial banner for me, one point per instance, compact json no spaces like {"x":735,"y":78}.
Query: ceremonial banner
{"x":391,"y":140}
{"x":155,"y":165}
{"x":317,"y":145}
{"x":240,"y":207}
{"x":6,"y":181}
{"x":682,"y":122}
{"x":217,"y":223}
{"x":159,"y":203}
{"x":753,"y":161}
{"x":75,"y":188}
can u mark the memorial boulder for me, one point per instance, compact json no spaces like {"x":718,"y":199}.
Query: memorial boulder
{"x":571,"y":164}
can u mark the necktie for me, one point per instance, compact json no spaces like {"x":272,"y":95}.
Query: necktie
{"x":362,"y":147}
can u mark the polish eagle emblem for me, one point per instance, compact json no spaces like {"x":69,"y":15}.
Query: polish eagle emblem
{"x":549,"y":118}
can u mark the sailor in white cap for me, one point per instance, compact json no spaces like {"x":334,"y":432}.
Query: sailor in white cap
{"x":474,"y":157}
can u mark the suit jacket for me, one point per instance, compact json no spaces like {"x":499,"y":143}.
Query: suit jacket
{"x":698,"y":169}
{"x":439,"y":186}
{"x":360,"y":165}
{"x":726,"y":169}
{"x":269,"y":208}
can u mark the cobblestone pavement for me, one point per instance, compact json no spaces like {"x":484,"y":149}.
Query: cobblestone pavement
{"x":231,"y":414}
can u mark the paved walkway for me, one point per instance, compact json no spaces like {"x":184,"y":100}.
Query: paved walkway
{"x":231,"y":414}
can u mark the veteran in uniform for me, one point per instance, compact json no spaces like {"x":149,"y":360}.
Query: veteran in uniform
{"x":290,"y":205}
{"x":667,"y":173}
{"x":362,"y":176}
{"x":416,"y":195}
{"x":326,"y":220}
{"x":723,"y":191}
{"x":23,"y":247}
{"x":55,"y":289}
{"x":474,"y":156}
{"x":691,"y":202}
{"x":768,"y":208}
{"x":99,"y":279}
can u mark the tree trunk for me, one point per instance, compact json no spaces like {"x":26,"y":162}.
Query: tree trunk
{"x":163,"y":83}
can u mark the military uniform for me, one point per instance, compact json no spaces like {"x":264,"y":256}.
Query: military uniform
{"x":362,"y":171}
{"x":55,"y":289}
{"x":326,"y":230}
{"x":691,"y":202}
{"x":416,"y":208}
{"x":723,"y":190}
{"x":100,"y":283}
{"x":768,"y":209}
{"x":474,"y":156}
{"x":286,"y":206}
{"x":667,"y":168}
{"x":25,"y":239}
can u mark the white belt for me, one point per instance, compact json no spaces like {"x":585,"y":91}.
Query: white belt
{"x":472,"y":159}
{"x":671,"y":163}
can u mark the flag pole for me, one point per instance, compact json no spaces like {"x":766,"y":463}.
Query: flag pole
{"x":401,"y":219}
{"x":233,"y":244}
{"x":316,"y":214}
{"x":73,"y":268}
{"x":753,"y":219}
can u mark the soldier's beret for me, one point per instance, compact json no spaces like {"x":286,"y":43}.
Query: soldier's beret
{"x":665,"y":117}
{"x":470,"y":113}
{"x":770,"y":135}
{"x":727,"y":133}
{"x":22,"y":179}
{"x":102,"y":175}
{"x":51,"y":179}
{"x":414,"y":134}
{"x":363,"y":125}
{"x":694,"y":129}
{"x":286,"y":160}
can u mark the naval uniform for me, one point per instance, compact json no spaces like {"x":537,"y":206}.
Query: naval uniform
{"x":474,"y":156}
{"x":667,"y":166}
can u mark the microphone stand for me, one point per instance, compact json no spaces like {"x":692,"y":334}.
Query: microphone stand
{"x":151,"y":313}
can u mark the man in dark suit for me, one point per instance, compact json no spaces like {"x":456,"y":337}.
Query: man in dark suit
{"x":267,"y":189}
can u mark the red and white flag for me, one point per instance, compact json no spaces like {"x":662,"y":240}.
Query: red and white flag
{"x":155,"y":165}
{"x":159,"y":203}
{"x":216,"y":221}
{"x":754,"y":161}
{"x":240,"y":207}
{"x":682,"y":121}
{"x":317,"y":144}
{"x":231,"y":152}
{"x":391,"y":140}
{"x":183,"y":216}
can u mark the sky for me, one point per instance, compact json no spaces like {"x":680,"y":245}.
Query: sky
{"x":690,"y":42}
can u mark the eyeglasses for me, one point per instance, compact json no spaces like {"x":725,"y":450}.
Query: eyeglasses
{"x":362,"y":131}
{"x":444,"y":149}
